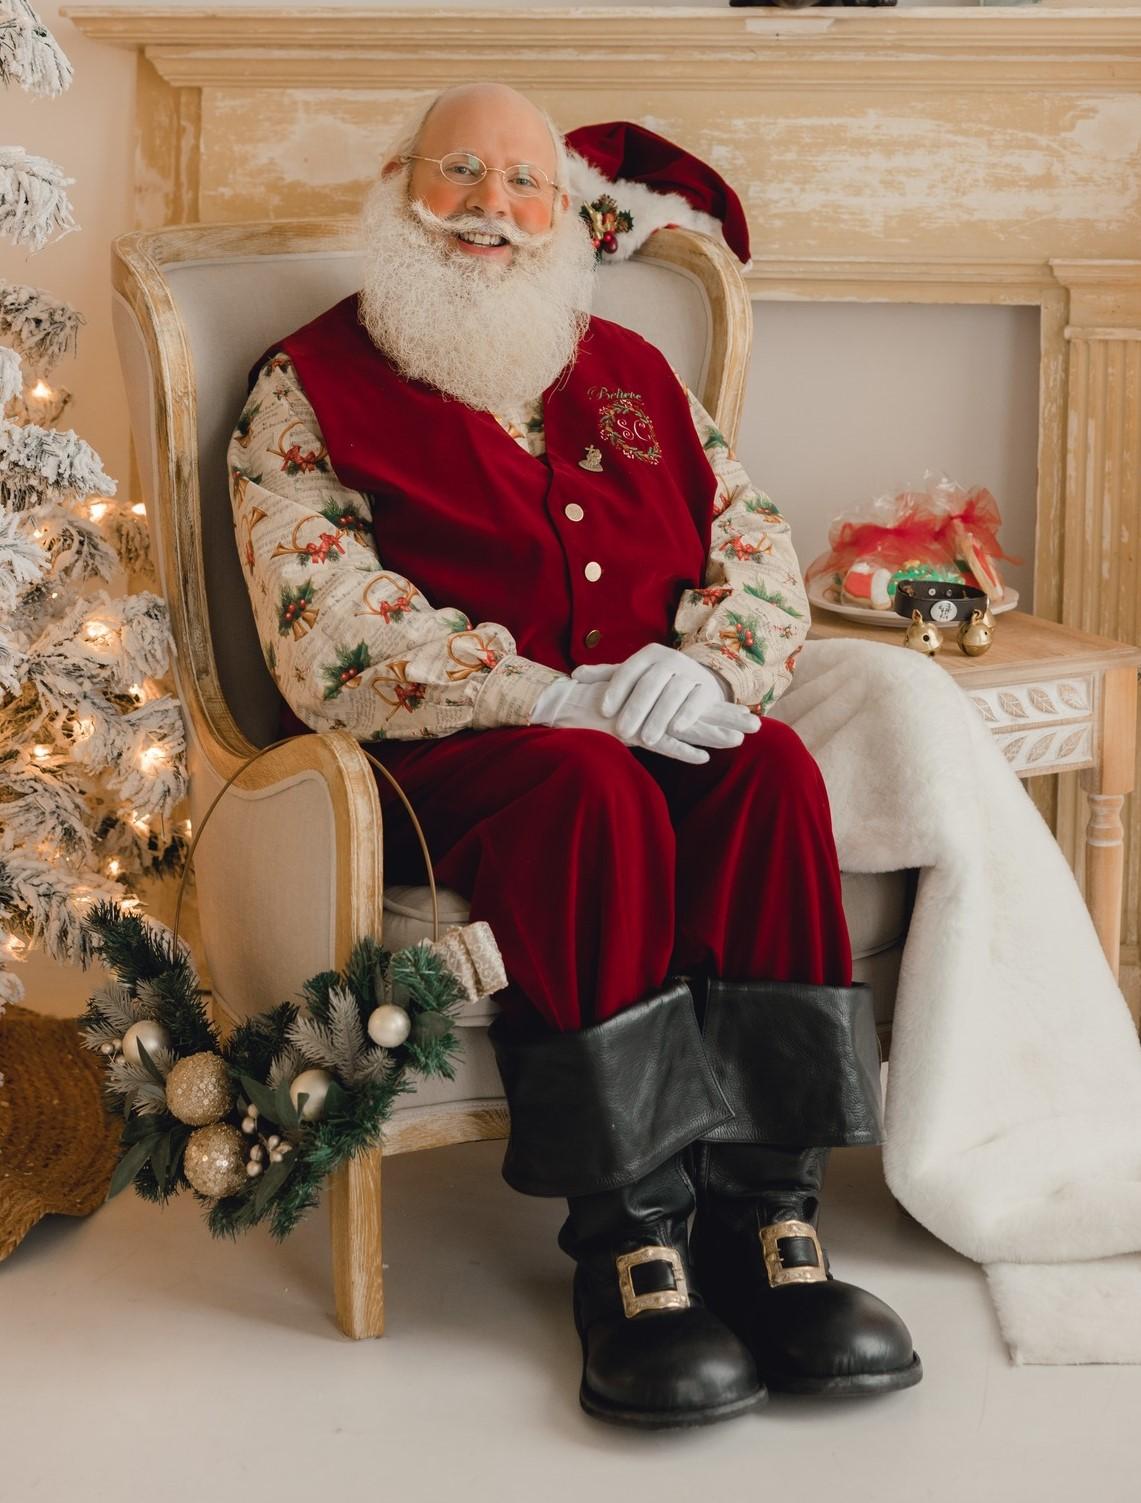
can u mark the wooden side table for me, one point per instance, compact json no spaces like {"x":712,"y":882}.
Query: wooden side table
{"x":1056,"y":700}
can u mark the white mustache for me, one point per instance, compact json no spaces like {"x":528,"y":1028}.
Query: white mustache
{"x":478,"y":224}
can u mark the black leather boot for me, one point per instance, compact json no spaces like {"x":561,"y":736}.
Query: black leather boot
{"x":799,"y":1064}
{"x":603,"y":1116}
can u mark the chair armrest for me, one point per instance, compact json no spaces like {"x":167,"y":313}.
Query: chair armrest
{"x":288,"y":870}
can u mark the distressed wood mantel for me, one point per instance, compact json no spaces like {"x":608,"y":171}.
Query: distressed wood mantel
{"x":924,"y":155}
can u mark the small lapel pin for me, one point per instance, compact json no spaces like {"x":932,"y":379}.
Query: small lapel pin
{"x":591,"y":460}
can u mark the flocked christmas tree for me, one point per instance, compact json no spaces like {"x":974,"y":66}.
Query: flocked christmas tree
{"x":92,"y":751}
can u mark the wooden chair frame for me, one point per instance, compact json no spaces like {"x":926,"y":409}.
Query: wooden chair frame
{"x":139,"y":261}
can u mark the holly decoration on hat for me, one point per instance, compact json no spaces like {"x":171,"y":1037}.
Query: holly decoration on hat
{"x":605,"y":221}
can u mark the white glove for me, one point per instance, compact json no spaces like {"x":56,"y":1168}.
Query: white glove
{"x":567,"y":703}
{"x":659,"y":691}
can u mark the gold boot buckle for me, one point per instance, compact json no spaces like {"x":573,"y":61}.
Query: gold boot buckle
{"x":633,"y":1304}
{"x":771,"y":1238}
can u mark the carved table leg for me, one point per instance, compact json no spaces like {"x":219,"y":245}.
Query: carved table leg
{"x":358,"y":1276}
{"x":1106,"y":785}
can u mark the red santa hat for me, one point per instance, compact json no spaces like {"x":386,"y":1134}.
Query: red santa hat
{"x":627,"y":182}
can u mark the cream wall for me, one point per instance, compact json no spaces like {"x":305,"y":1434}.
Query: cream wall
{"x":845,"y":400}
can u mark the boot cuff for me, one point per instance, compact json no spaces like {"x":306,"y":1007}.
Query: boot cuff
{"x":798,"y":1063}
{"x":601,"y":1107}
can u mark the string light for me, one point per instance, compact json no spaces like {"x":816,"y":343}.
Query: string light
{"x":97,"y":510}
{"x":140,"y":822}
{"x":13,"y":947}
{"x":37,"y":532}
{"x":187,"y":827}
{"x":42,"y":389}
{"x":152,"y":756}
{"x":98,"y":631}
{"x":113,"y":867}
{"x":139,"y":509}
{"x":137,"y":693}
{"x":40,"y":750}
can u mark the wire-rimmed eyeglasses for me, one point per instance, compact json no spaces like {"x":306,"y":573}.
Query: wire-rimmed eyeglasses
{"x":463,"y":169}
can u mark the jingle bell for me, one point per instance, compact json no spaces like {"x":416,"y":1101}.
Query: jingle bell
{"x":923,"y":636}
{"x":976,"y":634}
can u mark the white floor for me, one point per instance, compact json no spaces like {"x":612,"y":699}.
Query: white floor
{"x":141,"y":1360}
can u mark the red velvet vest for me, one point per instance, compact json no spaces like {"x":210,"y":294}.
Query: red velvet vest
{"x":581,"y":564}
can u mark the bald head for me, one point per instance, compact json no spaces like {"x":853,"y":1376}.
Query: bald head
{"x":503,"y":128}
{"x":495,"y":110}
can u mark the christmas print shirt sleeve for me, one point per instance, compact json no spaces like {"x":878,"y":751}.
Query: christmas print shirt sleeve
{"x":750,"y":617}
{"x":350,"y":644}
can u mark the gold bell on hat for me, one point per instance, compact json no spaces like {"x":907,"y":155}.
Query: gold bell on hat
{"x":923,"y":636}
{"x":976,"y":634}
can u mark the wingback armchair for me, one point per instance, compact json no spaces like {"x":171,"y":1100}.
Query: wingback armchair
{"x":289,"y":874}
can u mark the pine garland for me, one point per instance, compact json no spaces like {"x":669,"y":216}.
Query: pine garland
{"x":263,"y":1056}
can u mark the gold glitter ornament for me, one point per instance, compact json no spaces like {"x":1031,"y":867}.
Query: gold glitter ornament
{"x":199,"y":1089}
{"x":214,"y":1161}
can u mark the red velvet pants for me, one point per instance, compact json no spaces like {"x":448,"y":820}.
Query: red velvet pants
{"x":603,"y":869}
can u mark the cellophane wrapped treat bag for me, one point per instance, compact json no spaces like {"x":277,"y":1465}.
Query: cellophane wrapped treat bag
{"x":940,"y":532}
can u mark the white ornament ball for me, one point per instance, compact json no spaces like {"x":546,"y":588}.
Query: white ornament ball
{"x":153,"y":1037}
{"x":315,"y":1085}
{"x":389,"y":1025}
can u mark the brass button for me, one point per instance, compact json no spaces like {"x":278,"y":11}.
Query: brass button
{"x":593,"y":637}
{"x":593,"y":571}
{"x":574,"y":511}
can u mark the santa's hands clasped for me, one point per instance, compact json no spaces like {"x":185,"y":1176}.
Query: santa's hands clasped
{"x":659,"y":699}
{"x":659,"y":691}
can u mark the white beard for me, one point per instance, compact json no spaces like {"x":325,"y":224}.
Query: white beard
{"x":493,"y":336}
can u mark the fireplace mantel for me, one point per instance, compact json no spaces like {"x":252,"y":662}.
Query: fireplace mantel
{"x":925,"y":155}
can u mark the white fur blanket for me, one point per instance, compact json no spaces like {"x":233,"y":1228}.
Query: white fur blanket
{"x":1013,"y":1099}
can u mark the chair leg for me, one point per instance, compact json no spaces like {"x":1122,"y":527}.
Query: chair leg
{"x":358,"y":1275}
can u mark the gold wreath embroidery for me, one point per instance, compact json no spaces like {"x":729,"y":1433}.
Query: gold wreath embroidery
{"x":317,"y":552}
{"x":389,"y":610}
{"x":477,"y":658}
{"x":625,"y":423}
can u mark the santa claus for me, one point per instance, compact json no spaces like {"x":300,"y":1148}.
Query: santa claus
{"x":558,"y":612}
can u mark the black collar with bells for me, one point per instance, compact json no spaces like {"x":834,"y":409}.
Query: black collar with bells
{"x":938,"y":601}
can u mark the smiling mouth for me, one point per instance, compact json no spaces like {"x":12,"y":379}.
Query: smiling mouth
{"x":472,"y":237}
